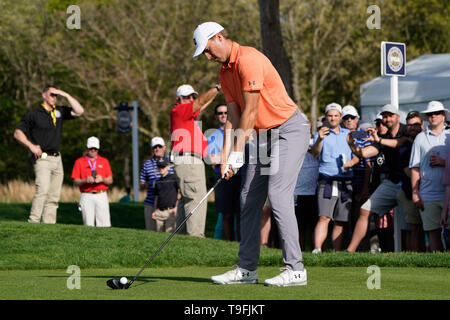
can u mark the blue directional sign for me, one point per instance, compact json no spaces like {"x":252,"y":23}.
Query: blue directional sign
{"x":393,"y":59}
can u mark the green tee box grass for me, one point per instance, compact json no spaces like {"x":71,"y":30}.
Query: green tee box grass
{"x":193,"y":283}
{"x":35,"y":257}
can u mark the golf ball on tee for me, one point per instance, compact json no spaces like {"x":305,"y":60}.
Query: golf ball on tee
{"x":123,"y":280}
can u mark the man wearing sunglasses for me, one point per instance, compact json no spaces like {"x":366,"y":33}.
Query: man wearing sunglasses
{"x":40,"y":131}
{"x":427,"y":169}
{"x":148,"y":177}
{"x":227,"y":193}
{"x":189,"y":147}
{"x":415,"y":240}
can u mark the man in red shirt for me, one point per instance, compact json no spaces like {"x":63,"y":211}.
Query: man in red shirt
{"x":257,"y":101}
{"x":189,"y":146}
{"x":92,"y":174}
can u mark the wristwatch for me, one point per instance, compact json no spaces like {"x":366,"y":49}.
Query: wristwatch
{"x":217,"y":86}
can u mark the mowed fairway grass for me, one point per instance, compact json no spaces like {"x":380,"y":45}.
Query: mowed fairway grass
{"x":192,"y":283}
{"x":34,"y":260}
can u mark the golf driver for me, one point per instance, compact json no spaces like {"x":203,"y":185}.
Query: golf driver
{"x":115,"y":283}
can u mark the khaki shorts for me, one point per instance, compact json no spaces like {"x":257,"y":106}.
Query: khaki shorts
{"x":431,"y":215}
{"x":165,"y":220}
{"x":383,"y":199}
{"x":410,"y":211}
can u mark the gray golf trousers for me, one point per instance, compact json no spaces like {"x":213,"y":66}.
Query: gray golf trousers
{"x":286,"y":152}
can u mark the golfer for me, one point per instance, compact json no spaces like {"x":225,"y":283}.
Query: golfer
{"x":257,"y":100}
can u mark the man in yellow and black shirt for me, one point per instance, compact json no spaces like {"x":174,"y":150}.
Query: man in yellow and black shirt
{"x":40,"y":131}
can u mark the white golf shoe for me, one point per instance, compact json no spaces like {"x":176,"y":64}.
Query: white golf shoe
{"x":237,"y":276}
{"x":288,"y":278}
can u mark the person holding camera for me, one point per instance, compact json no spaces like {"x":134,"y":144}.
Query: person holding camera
{"x":40,"y":131}
{"x":384,"y":198}
{"x":92,"y":174}
{"x":334,"y":193}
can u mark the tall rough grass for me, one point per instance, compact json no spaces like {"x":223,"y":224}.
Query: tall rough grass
{"x":20,"y":191}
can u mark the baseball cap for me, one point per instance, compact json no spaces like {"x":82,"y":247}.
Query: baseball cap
{"x":93,"y":142}
{"x":185,"y":90}
{"x":202,"y":34}
{"x":349,"y":110}
{"x":158,"y":141}
{"x":378,"y":117}
{"x":435,"y":106}
{"x":162,"y":162}
{"x":412,"y":114}
{"x":333,"y":106}
{"x":389,"y":108}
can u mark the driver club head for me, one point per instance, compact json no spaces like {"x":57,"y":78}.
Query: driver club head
{"x":114,"y":283}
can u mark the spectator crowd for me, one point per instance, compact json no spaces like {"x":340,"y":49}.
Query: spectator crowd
{"x":355,"y":177}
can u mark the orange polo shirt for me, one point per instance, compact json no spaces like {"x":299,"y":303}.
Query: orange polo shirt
{"x":250,"y":70}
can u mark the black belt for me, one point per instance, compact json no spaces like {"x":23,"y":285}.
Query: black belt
{"x":167,"y":208}
{"x":52,"y":154}
{"x":188,"y":154}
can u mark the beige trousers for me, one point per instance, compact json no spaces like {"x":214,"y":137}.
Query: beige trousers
{"x":191,"y":175}
{"x":166,"y":220}
{"x":95,"y":209}
{"x":49,"y":178}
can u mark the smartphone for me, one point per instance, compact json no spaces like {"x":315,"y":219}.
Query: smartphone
{"x":325,"y":123}
{"x":359,"y":135}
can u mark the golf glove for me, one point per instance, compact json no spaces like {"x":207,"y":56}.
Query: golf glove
{"x":235,"y":161}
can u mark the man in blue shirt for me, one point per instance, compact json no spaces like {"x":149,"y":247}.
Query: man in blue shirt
{"x":227,"y":193}
{"x":334,"y":194}
{"x":149,"y":175}
{"x":427,"y":169}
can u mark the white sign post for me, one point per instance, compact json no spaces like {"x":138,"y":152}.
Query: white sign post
{"x":393,"y":64}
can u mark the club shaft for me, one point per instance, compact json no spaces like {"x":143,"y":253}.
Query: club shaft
{"x":176,"y":230}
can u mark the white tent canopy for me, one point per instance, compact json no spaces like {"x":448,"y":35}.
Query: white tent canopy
{"x":427,"y":78}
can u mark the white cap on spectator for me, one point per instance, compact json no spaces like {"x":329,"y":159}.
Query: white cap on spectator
{"x":435,"y":106}
{"x":93,"y":142}
{"x":333,"y":106}
{"x":379,"y":116}
{"x":185,"y":90}
{"x":202,"y":34}
{"x":349,"y":110}
{"x":158,"y":141}
{"x":389,"y":108}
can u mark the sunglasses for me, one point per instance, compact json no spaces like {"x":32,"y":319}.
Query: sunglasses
{"x":157,"y":146}
{"x":54,"y":95}
{"x":417,"y":125}
{"x":349,"y":117}
{"x":436,"y":113}
{"x":95,"y":149}
{"x":220,"y":113}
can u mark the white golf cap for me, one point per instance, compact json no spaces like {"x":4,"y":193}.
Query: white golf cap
{"x":333,"y":106}
{"x":185,"y":90}
{"x":349,"y":110}
{"x":93,"y":142}
{"x":158,"y":141}
{"x":435,"y":106}
{"x":202,"y":34}
{"x":378,"y":117}
{"x":389,"y":108}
